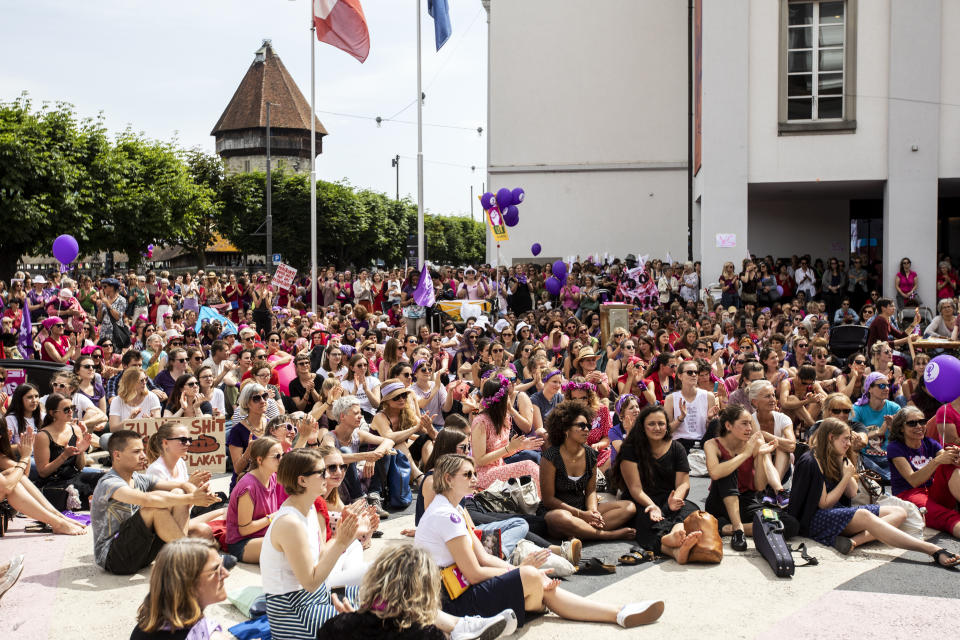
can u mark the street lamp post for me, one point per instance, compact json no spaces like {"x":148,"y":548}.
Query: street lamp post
{"x":395,"y":162}
{"x":269,"y":203}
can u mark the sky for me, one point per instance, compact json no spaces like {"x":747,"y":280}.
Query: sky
{"x":169,"y":69}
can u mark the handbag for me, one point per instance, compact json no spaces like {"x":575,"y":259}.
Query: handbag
{"x":453,"y":581}
{"x":121,"y":335}
{"x":398,"y":480}
{"x":869,"y":489}
{"x":709,"y":548}
{"x":523,"y":492}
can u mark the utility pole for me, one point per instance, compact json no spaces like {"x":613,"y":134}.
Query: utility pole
{"x":395,"y":162}
{"x":471,"y":202}
{"x":269,"y":203}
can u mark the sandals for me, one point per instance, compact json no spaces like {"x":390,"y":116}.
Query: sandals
{"x":595,"y":567}
{"x":950,"y":556}
{"x":635,"y":557}
{"x":844,"y":545}
{"x":38,"y":527}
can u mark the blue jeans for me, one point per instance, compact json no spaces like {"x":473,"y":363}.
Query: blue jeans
{"x":526,"y":454}
{"x":875,"y":465}
{"x":512,"y":531}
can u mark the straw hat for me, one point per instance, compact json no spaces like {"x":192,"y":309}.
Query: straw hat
{"x":585,"y":352}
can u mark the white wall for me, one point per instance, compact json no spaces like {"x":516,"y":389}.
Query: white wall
{"x":584,"y":90}
{"x":949,"y":90}
{"x":836,"y":156}
{"x":782,"y":228}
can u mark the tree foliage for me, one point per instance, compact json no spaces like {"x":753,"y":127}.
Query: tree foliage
{"x":60,"y":174}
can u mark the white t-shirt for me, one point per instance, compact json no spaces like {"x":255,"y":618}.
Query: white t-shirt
{"x":780,"y":420}
{"x":441,"y":522}
{"x":217,"y":401}
{"x":120,"y":408}
{"x":80,"y":401}
{"x":349,"y":386}
{"x":159,"y":472}
{"x":339,"y":373}
{"x":694,"y":425}
{"x":14,"y":431}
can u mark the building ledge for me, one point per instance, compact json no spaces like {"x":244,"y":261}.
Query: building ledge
{"x":816,"y":128}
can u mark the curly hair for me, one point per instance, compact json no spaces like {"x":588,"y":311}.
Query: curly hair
{"x":899,"y":423}
{"x":592,"y":399}
{"x":403,"y":586}
{"x":562,"y":417}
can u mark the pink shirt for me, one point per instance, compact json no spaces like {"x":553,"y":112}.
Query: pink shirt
{"x":906,"y":282}
{"x":266,"y":500}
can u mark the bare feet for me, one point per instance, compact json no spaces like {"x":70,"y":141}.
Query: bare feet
{"x":627,"y":533}
{"x":673,"y":539}
{"x":68,"y":528}
{"x":689,"y":542}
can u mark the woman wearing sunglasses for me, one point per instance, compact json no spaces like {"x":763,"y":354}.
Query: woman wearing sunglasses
{"x":875,"y":411}
{"x":923,"y":472}
{"x":185,"y":400}
{"x":86,"y":370}
{"x":166,"y":453}
{"x":284,"y":430}
{"x":133,"y":400}
{"x":254,"y":501}
{"x":253,"y":404}
{"x":60,"y":450}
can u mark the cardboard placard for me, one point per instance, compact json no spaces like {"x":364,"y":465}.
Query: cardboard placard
{"x":283,"y":277}
{"x":208,"y":451}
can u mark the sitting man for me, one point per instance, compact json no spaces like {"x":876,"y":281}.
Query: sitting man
{"x":133,"y":515}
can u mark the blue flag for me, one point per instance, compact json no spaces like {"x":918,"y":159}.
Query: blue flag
{"x":440,"y":13}
{"x":208,"y":314}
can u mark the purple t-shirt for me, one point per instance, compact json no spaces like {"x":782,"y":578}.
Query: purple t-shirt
{"x":916,"y":458}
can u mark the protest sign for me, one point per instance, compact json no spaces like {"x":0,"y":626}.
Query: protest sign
{"x":208,"y":452}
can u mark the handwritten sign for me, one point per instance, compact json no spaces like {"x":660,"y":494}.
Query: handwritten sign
{"x":283,"y":277}
{"x":208,"y":452}
{"x":726,"y":240}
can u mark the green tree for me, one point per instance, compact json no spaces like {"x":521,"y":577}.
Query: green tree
{"x":207,"y":172}
{"x":45,"y":187}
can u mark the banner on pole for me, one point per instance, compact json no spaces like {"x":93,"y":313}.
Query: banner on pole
{"x":283,"y":277}
{"x":207,"y":452}
{"x":497,"y":225}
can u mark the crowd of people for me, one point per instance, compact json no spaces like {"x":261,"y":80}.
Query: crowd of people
{"x":334,"y":418}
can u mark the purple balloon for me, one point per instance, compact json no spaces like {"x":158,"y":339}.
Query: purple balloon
{"x":779,"y":289}
{"x":553,"y":286}
{"x":511,"y":216}
{"x":504,"y":198}
{"x":149,"y":247}
{"x":942,"y":376}
{"x":517,"y":195}
{"x":486,"y":200}
{"x":536,"y":249}
{"x":559,"y":269}
{"x":65,"y":249}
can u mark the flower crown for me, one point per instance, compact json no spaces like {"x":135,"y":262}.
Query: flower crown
{"x":579,"y":386}
{"x":486,"y":403}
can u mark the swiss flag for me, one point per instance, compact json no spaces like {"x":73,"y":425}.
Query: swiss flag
{"x":341,"y":23}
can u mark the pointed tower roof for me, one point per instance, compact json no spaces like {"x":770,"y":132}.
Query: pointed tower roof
{"x":267,"y":80}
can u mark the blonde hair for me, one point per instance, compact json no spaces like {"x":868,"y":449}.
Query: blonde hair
{"x":172,"y":598}
{"x":327,"y":387}
{"x":448,"y":465}
{"x":259,"y":449}
{"x":403,"y":586}
{"x":129,"y":382}
{"x":155,"y":443}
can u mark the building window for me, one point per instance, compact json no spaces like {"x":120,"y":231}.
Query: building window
{"x":817,"y":65}
{"x":246,"y":166}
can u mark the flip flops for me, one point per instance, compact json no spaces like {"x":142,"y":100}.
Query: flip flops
{"x":38,"y":527}
{"x":595,"y":567}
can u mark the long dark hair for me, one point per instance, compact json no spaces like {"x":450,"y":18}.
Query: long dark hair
{"x":638,"y":442}
{"x":53,"y":401}
{"x":173,"y":403}
{"x":661,"y":360}
{"x":446,"y":442}
{"x":17,"y":409}
{"x":498,"y":410}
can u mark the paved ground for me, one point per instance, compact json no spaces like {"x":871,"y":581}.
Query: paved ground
{"x":877,"y":590}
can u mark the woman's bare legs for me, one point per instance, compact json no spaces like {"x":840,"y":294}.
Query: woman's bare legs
{"x":865,"y":527}
{"x":23,"y":500}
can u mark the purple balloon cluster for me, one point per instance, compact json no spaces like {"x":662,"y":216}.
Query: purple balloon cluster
{"x":506,"y":200}
{"x":555,"y":282}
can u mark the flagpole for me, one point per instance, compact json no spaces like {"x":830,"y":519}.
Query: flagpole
{"x":313,"y":168}
{"x":421,"y":254}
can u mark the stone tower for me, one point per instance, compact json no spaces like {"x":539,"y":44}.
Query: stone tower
{"x":241,"y":132}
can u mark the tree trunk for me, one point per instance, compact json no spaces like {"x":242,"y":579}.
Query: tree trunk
{"x":9,"y":258}
{"x":201,"y":255}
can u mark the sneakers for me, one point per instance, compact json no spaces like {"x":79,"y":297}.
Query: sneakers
{"x":12,"y":574}
{"x":477,"y":628}
{"x":739,"y":541}
{"x":783,"y":498}
{"x":571,"y":550}
{"x":373,"y":499}
{"x":635,"y":614}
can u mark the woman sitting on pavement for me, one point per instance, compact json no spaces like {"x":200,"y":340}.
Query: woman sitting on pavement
{"x":875,"y":411}
{"x":22,"y":494}
{"x":187,"y":577}
{"x":347,"y":437}
{"x":166,"y":451}
{"x":568,"y":481}
{"x":254,"y":501}
{"x":492,"y":584}
{"x":491,"y":441}
{"x":738,"y":462}
{"x":825,"y":481}
{"x":653,"y":468}
{"x":185,"y":400}
{"x":399,"y":420}
{"x":252,"y":402}
{"x":923,"y":473}
{"x":580,"y":389}
{"x":776,"y":427}
{"x":61,"y":453}
{"x":628,"y":410}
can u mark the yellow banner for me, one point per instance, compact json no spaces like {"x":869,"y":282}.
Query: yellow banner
{"x":495,"y":220}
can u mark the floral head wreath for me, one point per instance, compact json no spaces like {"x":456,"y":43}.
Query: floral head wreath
{"x":486,"y":403}
{"x":623,"y":400}
{"x":579,"y":386}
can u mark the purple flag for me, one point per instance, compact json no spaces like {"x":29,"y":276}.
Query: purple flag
{"x":423,"y":294}
{"x":25,"y":341}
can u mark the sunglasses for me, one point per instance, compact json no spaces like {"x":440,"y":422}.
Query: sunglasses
{"x":321,"y":472}
{"x":185,"y":441}
{"x":913,"y":424}
{"x":882,"y":385}
{"x":71,"y":409}
{"x":336,"y":468}
{"x":859,"y":362}
{"x":260,"y":397}
{"x":470,"y":474}
{"x":87,"y":366}
{"x":583,"y":426}
{"x":401,"y":396}
{"x":58,"y":385}
{"x":838,"y":412}
{"x":369,"y":348}
{"x":689,"y":372}
{"x":299,"y":362}
{"x":463,"y":448}
{"x":193,"y":383}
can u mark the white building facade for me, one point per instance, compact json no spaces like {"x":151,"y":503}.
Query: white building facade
{"x":818,"y":127}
